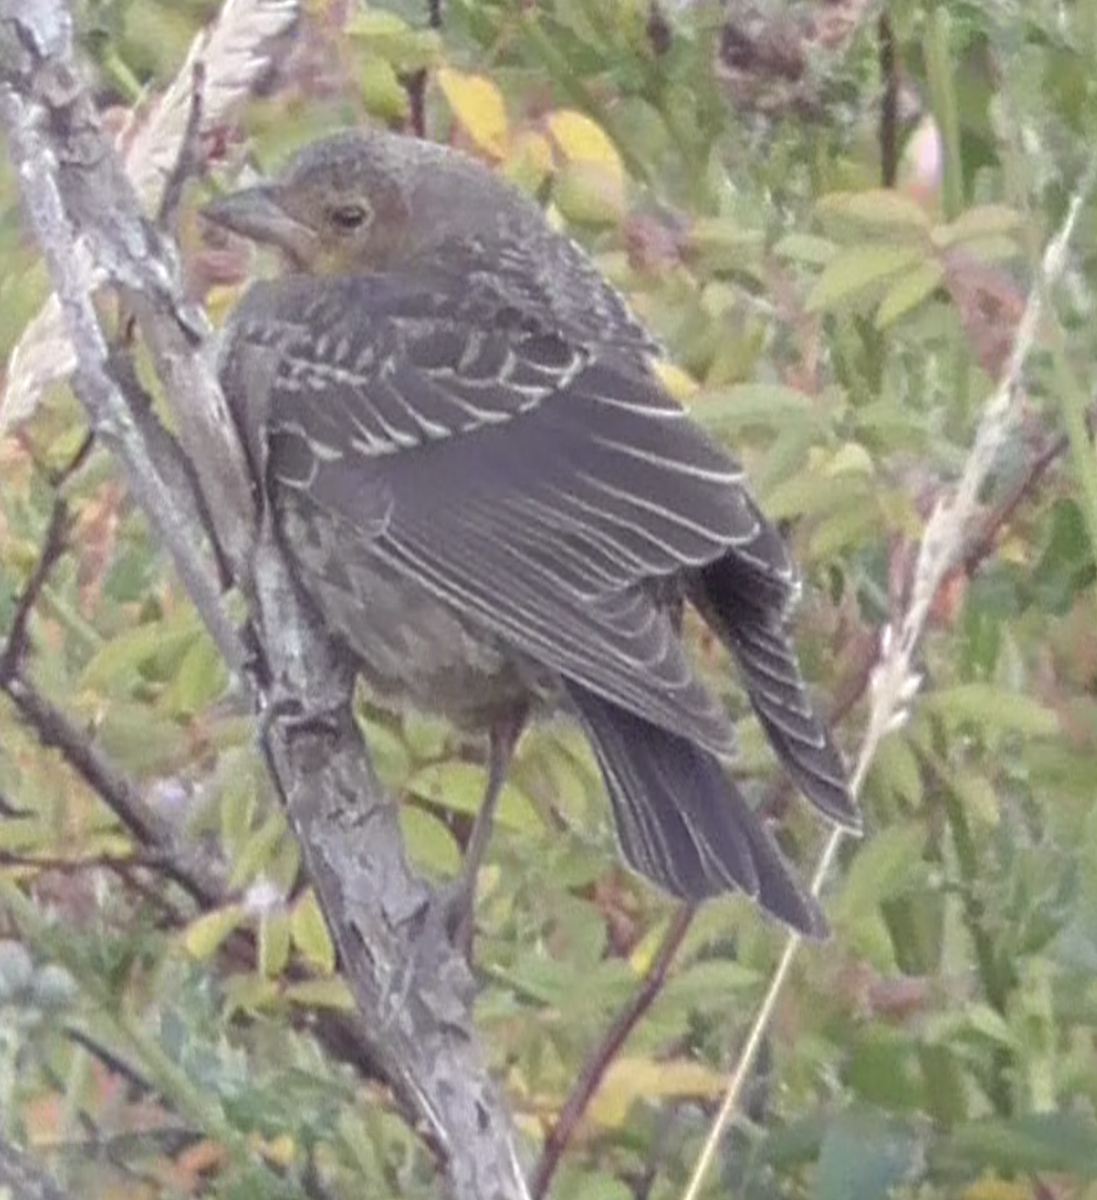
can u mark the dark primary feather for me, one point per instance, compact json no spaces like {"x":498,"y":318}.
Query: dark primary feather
{"x":681,"y":820}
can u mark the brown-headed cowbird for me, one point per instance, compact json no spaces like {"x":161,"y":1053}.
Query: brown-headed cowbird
{"x":491,"y":499}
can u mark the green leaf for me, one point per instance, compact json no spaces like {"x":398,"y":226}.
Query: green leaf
{"x":238,"y":802}
{"x":864,"y":1156}
{"x":201,"y":677}
{"x":721,"y":243}
{"x":989,"y":706}
{"x":895,"y":767}
{"x":258,"y":850}
{"x":204,"y":936}
{"x":1052,"y":1141}
{"x":386,"y":36}
{"x":908,"y":292}
{"x":806,"y":248}
{"x":732,"y":409}
{"x":321,"y":993}
{"x":431,"y":844}
{"x":140,"y":737}
{"x":978,"y":795}
{"x":382,"y":92}
{"x":460,"y":786}
{"x":883,"y":1069}
{"x":818,"y":491}
{"x":874,"y":210}
{"x":274,"y":943}
{"x":982,"y":221}
{"x":700,"y":981}
{"x":858,"y":270}
{"x":885,"y":865}
{"x":599,"y":1186}
{"x":310,"y":933}
{"x":125,"y":659}
{"x":389,"y":752}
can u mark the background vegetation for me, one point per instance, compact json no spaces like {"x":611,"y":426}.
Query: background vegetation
{"x":160,"y":1023}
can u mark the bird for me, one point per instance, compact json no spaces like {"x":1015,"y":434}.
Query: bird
{"x":498,"y":509}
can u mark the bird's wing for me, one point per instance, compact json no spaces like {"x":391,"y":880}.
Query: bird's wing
{"x":524,"y":478}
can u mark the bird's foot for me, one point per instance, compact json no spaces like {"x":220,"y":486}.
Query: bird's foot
{"x":290,"y":715}
{"x":457,"y":906}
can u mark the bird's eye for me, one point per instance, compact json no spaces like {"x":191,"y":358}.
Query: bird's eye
{"x":348,"y":216}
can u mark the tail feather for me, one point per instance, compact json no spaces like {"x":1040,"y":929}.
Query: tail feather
{"x":681,"y":821}
{"x":758,"y":640}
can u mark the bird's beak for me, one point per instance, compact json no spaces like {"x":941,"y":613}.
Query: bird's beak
{"x":256,"y":213}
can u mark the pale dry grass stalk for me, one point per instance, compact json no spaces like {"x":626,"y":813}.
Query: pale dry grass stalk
{"x":235,"y":51}
{"x":895,"y":682}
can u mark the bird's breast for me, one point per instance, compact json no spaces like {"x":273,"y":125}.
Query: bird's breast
{"x":411,"y":648}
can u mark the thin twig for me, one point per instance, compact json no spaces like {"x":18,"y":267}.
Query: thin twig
{"x":189,"y":158}
{"x":108,"y":407}
{"x":53,"y":549}
{"x":889,"y":105}
{"x":415,"y":84}
{"x":54,"y":728}
{"x":983,"y":543}
{"x":895,"y":682}
{"x":594,"y":1071}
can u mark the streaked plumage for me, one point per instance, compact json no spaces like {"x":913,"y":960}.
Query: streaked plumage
{"x":493,"y":501}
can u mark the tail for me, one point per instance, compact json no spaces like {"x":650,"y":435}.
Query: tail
{"x":682,"y":822}
{"x":745,"y":612}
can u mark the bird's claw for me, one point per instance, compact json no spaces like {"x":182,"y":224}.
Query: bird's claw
{"x":457,"y":908}
{"x":289,"y":714}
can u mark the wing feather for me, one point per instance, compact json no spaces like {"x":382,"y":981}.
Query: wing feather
{"x":542,"y":485}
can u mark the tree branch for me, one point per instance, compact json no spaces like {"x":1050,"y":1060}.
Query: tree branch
{"x":413,"y":991}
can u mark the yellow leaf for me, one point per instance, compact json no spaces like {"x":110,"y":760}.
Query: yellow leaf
{"x":220,"y":300}
{"x":679,"y":383}
{"x":630,"y":1079}
{"x":250,"y":993}
{"x":990,"y":1187}
{"x":279,"y":1150}
{"x":478,"y":105}
{"x":592,"y":166}
{"x":274,"y":943}
{"x":582,"y":140}
{"x":850,"y":457}
{"x":529,"y":161}
{"x":321,"y":993}
{"x":203,"y":936}
{"x":310,"y":933}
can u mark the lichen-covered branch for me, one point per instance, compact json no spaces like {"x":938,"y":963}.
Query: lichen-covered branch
{"x":413,"y":990}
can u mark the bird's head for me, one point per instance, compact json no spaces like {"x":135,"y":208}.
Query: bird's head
{"x":361,"y":200}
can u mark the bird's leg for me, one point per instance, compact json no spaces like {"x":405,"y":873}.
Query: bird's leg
{"x":502,"y":738}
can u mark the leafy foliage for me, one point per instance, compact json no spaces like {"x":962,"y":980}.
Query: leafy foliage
{"x":174,"y":1029}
